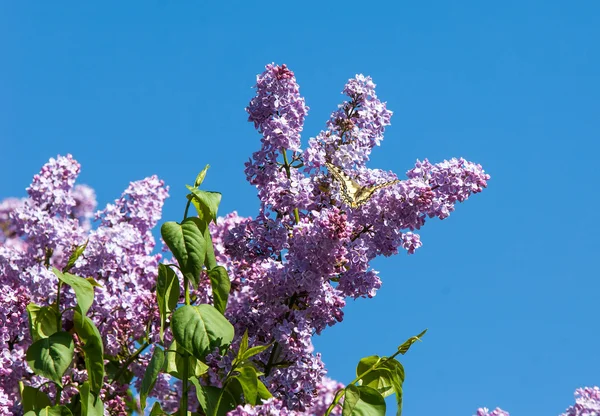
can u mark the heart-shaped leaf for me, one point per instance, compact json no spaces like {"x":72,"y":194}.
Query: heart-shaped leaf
{"x":187,"y":244}
{"x":51,"y":357}
{"x":200,"y":329}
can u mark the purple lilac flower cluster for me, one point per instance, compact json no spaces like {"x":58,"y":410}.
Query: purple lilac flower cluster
{"x":41,"y":231}
{"x":294,"y":264}
{"x":587,"y":403}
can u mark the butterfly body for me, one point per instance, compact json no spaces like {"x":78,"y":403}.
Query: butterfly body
{"x":354,"y":194}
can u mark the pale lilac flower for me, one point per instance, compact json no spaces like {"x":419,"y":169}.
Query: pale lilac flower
{"x":41,"y":231}
{"x":587,"y":402}
{"x":484,"y":411}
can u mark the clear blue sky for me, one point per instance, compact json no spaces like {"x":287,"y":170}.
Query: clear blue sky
{"x":508,"y":285}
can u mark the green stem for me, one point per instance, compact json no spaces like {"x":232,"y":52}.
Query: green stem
{"x":58,"y":315}
{"x":59,"y":390}
{"x":286,"y":165}
{"x":187,"y":207}
{"x":130,"y":360}
{"x":186,"y":289}
{"x":183,"y":407}
{"x":225,"y":382}
{"x":334,"y":403}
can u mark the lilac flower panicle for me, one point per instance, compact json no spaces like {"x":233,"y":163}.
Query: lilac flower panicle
{"x":587,"y":402}
{"x":45,"y":227}
{"x":278,"y":110}
{"x":293,"y":265}
{"x":51,"y":188}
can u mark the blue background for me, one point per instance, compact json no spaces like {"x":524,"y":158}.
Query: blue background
{"x":508,"y":285}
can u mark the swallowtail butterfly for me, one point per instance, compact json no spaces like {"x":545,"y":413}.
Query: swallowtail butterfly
{"x":354,"y":194}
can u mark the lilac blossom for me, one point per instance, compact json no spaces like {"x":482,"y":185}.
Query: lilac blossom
{"x":270,"y":407}
{"x":41,"y":231}
{"x":8,"y":227}
{"x":587,"y":402}
{"x":294,"y":264}
{"x":484,"y":411}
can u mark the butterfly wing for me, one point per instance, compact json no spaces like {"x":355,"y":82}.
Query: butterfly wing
{"x":353,"y":194}
{"x":348,"y":187}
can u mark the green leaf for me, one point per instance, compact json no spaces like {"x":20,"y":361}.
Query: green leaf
{"x":404,"y":347}
{"x":363,"y":401}
{"x":243,"y":346}
{"x":208,"y":397}
{"x":206,"y":203}
{"x":43,"y":321}
{"x":231,"y":398}
{"x":263,"y":392}
{"x":174,"y":362}
{"x":93,"y":282}
{"x":366,"y":363}
{"x":91,"y":405}
{"x":51,"y":357}
{"x":201,"y":176}
{"x":55,"y":411}
{"x":199,"y":329}
{"x":219,"y":280}
{"x":157,"y":410}
{"x":255,"y":350}
{"x":396,"y":368}
{"x":152,"y":371}
{"x":248,"y":379}
{"x":380,"y":380}
{"x":187,"y":243}
{"x":210,"y":262}
{"x":84,"y":291}
{"x":167,"y":294}
{"x":34,"y":399}
{"x":351,"y":398}
{"x":93,"y":350}
{"x":387,"y":376}
{"x":75,"y":255}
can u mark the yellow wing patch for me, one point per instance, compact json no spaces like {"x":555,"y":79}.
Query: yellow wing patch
{"x":354,"y":194}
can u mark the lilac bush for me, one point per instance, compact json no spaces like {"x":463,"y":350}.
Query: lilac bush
{"x":278,"y":278}
{"x":40,"y":232}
